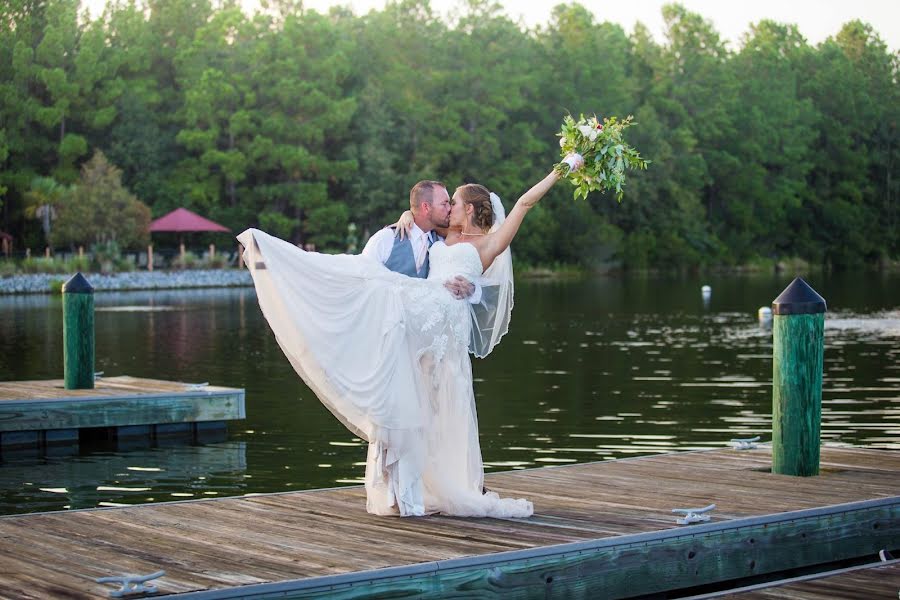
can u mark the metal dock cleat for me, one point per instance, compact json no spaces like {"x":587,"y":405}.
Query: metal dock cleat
{"x":744,"y":443}
{"x":693,"y":515}
{"x":132,"y":584}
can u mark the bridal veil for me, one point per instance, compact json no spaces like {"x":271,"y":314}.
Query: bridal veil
{"x":490,"y":317}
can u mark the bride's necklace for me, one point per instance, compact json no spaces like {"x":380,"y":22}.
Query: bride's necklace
{"x":464,"y":233}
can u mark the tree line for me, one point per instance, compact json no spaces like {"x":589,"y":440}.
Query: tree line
{"x":314,"y":127}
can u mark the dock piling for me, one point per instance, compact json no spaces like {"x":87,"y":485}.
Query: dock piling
{"x":78,"y":333}
{"x":797,"y":356}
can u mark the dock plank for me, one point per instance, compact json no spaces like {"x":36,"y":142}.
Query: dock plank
{"x":54,"y":389}
{"x":227,"y":543}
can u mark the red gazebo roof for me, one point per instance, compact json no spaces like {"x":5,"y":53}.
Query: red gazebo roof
{"x":183,"y":220}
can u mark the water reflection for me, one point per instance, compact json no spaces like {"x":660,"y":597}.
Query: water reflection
{"x":591,"y":370}
{"x":115,"y":479}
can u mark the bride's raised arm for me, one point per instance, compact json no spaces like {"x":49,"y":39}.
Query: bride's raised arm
{"x":499,"y":241}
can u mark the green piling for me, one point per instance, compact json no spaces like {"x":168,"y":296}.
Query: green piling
{"x":798,"y":346}
{"x":78,"y":333}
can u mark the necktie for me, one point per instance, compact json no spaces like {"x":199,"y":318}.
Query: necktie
{"x":423,"y":250}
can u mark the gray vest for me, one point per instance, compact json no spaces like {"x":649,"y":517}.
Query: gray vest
{"x":403,"y":259}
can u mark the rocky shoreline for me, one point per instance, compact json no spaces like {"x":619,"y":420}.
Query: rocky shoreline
{"x":43,"y":283}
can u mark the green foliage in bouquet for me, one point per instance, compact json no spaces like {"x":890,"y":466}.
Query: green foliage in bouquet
{"x":606,"y":155}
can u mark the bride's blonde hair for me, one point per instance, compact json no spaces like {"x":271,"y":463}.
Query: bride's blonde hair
{"x":480,"y":198}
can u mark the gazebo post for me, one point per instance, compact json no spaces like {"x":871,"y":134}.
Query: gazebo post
{"x":212,"y":251}
{"x":150,"y":257}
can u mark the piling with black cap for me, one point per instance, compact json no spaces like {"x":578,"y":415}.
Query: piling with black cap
{"x":798,"y":347}
{"x":78,"y":333}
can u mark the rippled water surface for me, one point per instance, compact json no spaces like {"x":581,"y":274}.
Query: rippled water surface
{"x":591,"y":370}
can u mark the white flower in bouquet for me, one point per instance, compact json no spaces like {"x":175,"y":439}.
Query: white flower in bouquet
{"x":589,"y":132}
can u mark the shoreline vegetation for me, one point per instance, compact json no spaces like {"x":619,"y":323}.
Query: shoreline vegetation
{"x":46,"y":276}
{"x":51,"y":283}
{"x":760,"y":266}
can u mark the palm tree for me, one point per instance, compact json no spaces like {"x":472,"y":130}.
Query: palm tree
{"x":41,"y":202}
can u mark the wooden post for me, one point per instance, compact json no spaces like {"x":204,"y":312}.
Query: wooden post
{"x":150,"y":257}
{"x":181,"y":247}
{"x":78,"y":333}
{"x":798,"y":347}
{"x":212,"y":251}
{"x":80,"y":252}
{"x":240,"y":256}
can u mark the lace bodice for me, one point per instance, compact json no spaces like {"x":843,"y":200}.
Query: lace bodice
{"x":446,"y":262}
{"x":436,"y":317}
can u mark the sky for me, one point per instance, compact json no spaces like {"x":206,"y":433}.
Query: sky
{"x":816,"y":19}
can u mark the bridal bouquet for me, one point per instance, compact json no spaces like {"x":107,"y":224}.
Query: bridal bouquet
{"x":606,"y":155}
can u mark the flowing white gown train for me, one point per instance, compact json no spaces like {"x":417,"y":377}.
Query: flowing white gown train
{"x":388,"y":355}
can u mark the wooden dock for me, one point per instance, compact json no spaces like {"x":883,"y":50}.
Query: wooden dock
{"x":600,"y":530}
{"x":36,"y":414}
{"x":865,"y":582}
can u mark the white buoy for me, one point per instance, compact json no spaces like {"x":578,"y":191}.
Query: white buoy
{"x":765,"y":315}
{"x":706,"y":294}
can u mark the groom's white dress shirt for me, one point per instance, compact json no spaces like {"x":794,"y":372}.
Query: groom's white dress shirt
{"x":381,"y":244}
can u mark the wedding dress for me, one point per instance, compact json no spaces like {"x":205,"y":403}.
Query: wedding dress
{"x":388,"y":355}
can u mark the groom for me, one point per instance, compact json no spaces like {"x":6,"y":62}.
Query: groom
{"x":430,"y":206}
{"x":387,"y":478}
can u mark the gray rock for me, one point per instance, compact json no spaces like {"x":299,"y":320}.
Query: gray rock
{"x":138,"y":280}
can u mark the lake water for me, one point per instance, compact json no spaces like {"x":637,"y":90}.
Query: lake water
{"x":593,"y":369}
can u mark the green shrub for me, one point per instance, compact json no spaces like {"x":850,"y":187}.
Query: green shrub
{"x":188,"y":261}
{"x":793,"y":265}
{"x":42,"y":264}
{"x":760,"y":264}
{"x":124,"y":264}
{"x":76,"y":264}
{"x":106,"y":254}
{"x":552,"y":271}
{"x":219,"y":261}
{"x":7,"y":268}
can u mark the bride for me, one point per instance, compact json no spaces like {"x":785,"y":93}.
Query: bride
{"x":387,"y":354}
